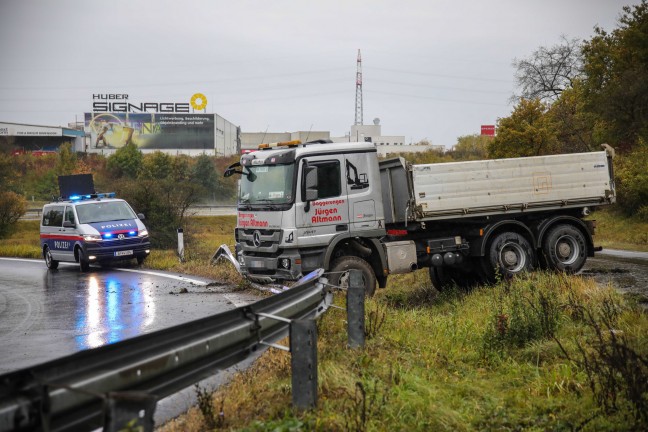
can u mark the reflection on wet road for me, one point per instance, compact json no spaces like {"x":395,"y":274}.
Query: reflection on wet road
{"x":47,"y":314}
{"x":102,"y":319}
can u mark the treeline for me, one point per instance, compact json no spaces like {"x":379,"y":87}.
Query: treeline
{"x":573,"y":97}
{"x":161,"y":186}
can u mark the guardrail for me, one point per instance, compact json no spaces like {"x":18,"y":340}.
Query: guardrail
{"x":120,"y":383}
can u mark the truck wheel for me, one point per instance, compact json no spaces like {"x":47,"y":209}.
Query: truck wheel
{"x":84,"y":265}
{"x":510,"y":254}
{"x":440,"y":278}
{"x":564,"y":248}
{"x":140,"y":260}
{"x":340,"y":273}
{"x":50,"y":262}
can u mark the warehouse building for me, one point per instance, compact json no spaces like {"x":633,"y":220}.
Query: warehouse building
{"x":38,"y":139}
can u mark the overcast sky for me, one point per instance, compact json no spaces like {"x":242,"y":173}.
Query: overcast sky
{"x":432,"y":69}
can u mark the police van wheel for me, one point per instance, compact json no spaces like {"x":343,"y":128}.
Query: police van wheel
{"x":84,"y":265}
{"x":50,"y":262}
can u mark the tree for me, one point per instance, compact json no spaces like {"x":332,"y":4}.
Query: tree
{"x":156,"y":166}
{"x":204,"y":173}
{"x":549,"y":71}
{"x":471,"y":147}
{"x":528,"y":131}
{"x":616,"y":78}
{"x":126,"y":161}
{"x":12,"y":207}
{"x":66,"y":160}
{"x":576,"y":127}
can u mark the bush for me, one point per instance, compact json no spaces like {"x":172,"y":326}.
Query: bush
{"x":163,"y":202}
{"x":12,"y":207}
{"x":632,"y":182}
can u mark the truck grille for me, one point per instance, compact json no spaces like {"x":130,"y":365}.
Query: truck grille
{"x":266,"y":241}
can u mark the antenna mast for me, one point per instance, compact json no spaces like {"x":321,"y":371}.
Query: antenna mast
{"x":358,"y":103}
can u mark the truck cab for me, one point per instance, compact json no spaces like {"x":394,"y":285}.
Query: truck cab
{"x":299,"y":203}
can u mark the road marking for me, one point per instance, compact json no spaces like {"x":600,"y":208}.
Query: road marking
{"x":151,"y":273}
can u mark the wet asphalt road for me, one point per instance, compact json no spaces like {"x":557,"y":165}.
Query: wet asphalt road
{"x":47,"y":314}
{"x":625,"y":270}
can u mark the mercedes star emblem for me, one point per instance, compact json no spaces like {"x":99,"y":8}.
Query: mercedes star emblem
{"x":256,"y":238}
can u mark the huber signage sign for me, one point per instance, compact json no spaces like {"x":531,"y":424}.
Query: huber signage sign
{"x":116,"y":120}
{"x":120,"y":103}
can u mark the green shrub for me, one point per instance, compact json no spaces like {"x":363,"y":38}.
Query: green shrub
{"x":12,"y":207}
{"x":632,"y":182}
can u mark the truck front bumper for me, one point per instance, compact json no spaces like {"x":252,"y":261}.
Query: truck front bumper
{"x":267,"y":269}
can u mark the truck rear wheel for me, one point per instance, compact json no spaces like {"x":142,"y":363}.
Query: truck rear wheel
{"x":440,"y":278}
{"x":564,"y":248}
{"x":340,"y":273}
{"x":509,"y":254}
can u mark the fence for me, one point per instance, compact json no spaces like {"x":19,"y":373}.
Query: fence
{"x":119,"y":384}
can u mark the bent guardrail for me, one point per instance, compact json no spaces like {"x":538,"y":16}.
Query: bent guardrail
{"x":110,"y":385}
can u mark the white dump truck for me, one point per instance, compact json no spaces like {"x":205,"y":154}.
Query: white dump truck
{"x":336,"y":206}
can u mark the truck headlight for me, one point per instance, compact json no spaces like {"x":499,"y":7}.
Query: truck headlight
{"x":284,"y":263}
{"x":92,"y":237}
{"x":143,"y":233}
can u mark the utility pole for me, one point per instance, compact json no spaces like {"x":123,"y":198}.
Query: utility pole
{"x":358,"y":103}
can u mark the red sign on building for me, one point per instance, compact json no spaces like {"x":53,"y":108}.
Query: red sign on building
{"x":488,"y":130}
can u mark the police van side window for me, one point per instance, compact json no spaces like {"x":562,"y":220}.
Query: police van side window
{"x":53,"y":216}
{"x":69,"y":214}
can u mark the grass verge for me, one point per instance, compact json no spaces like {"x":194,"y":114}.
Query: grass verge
{"x":203,"y":235}
{"x":537,"y":353}
{"x":615,"y":231}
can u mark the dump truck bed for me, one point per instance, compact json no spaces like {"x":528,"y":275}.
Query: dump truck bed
{"x":493,"y":187}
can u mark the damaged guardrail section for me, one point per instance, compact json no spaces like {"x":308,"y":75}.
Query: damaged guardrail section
{"x":114,"y":384}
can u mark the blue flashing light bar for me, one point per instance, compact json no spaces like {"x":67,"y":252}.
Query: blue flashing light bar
{"x":90,"y":196}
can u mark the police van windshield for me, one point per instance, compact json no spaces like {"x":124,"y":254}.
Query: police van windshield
{"x":104,"y":212}
{"x":267,"y":184}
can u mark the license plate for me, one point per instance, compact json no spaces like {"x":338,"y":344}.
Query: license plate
{"x":257,"y":264}
{"x":124,"y":253}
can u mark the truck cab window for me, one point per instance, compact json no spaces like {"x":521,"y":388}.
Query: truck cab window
{"x":328,"y":179}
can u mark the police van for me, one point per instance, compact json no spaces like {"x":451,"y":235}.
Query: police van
{"x":91,"y":228}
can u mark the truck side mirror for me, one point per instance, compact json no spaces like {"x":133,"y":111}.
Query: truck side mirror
{"x":68,"y":224}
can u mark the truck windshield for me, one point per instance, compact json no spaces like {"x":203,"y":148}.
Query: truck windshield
{"x":267,"y":184}
{"x":104,"y":212}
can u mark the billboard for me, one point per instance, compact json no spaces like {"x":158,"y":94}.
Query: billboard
{"x":156,"y":131}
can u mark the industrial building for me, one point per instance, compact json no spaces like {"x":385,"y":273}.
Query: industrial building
{"x":20,"y":138}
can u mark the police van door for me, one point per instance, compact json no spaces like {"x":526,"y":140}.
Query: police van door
{"x":59,"y":239}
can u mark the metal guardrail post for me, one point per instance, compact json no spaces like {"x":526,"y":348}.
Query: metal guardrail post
{"x":129,"y":411}
{"x":303,"y":360}
{"x":356,"y":310}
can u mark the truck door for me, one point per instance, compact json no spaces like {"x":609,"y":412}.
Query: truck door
{"x":319,"y":221}
{"x":362,"y":181}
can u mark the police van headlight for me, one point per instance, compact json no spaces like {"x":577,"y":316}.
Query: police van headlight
{"x":143,"y":233}
{"x":92,"y":237}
